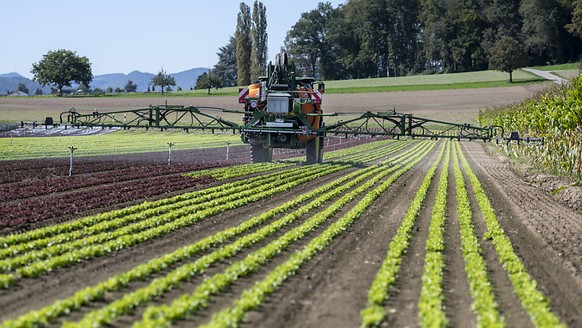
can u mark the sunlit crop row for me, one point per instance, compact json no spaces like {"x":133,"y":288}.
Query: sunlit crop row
{"x":375,"y":312}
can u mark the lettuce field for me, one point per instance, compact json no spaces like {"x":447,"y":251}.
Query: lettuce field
{"x":384,"y":233}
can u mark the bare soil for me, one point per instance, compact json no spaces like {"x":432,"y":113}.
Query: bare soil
{"x":449,"y":105}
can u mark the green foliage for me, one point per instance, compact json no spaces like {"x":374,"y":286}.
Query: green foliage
{"x":163,"y":80}
{"x":430,"y":305}
{"x":507,"y":55}
{"x":480,"y":287}
{"x":61,"y":67}
{"x":87,"y":227}
{"x":225,"y":69}
{"x":259,"y":40}
{"x":243,"y":45}
{"x":544,"y":32}
{"x":555,"y":115}
{"x":130,"y":86}
{"x":575,"y":27}
{"x":156,"y":316}
{"x":208,"y":81}
{"x":380,"y":38}
{"x":305,"y":41}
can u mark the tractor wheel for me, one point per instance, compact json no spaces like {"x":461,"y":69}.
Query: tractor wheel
{"x":260,"y":154}
{"x":314,"y":151}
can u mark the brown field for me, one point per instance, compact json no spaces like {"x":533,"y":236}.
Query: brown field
{"x":330,"y":289}
{"x":449,"y":105}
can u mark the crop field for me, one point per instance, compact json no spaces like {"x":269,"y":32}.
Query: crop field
{"x":383,"y":233}
{"x":386,"y":232}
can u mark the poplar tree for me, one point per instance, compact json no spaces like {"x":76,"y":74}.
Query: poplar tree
{"x":259,"y":40}
{"x":243,"y":45}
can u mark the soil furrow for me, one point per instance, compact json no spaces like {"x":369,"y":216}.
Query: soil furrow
{"x":551,"y":258}
{"x":332,"y":288}
{"x":508,"y":303}
{"x":456,"y":291}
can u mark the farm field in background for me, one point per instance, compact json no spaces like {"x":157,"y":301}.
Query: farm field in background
{"x":16,"y":109}
{"x":118,"y":142}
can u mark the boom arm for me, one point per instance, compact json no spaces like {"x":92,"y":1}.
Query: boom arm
{"x":162,"y":117}
{"x":180,"y":117}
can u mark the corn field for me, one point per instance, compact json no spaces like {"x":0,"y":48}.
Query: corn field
{"x":555,"y":115}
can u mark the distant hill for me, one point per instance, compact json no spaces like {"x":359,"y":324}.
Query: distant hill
{"x":10,"y":81}
{"x":185,"y":80}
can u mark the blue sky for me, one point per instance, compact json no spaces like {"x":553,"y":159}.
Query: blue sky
{"x":119,"y":36}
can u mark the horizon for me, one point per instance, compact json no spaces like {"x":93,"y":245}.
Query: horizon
{"x":181,"y":45}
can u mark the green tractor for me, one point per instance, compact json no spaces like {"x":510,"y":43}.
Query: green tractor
{"x":283,"y":111}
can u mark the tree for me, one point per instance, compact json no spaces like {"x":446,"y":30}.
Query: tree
{"x":208,"y":81}
{"x":130,"y":86}
{"x":434,"y":35}
{"x":83,"y":88}
{"x":508,"y":55}
{"x":243,"y":45}
{"x":109,"y":90}
{"x":259,"y":40}
{"x":403,"y":30}
{"x":22,"y":88}
{"x":225,"y":69}
{"x":38,"y":92}
{"x":576,"y":26}
{"x":306,"y":41}
{"x":544,"y":31}
{"x":61,"y":67}
{"x":465,"y":28}
{"x":163,"y":80}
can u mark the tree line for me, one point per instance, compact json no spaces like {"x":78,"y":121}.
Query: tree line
{"x":375,"y":38}
{"x":379,"y":38}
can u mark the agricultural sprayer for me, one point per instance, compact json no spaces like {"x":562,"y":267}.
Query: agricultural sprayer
{"x":281,"y":110}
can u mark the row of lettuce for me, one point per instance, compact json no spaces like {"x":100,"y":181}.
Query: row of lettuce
{"x":431,"y":306}
{"x":343,"y":199}
{"x":555,"y":115}
{"x":365,"y":178}
{"x":42,"y":250}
